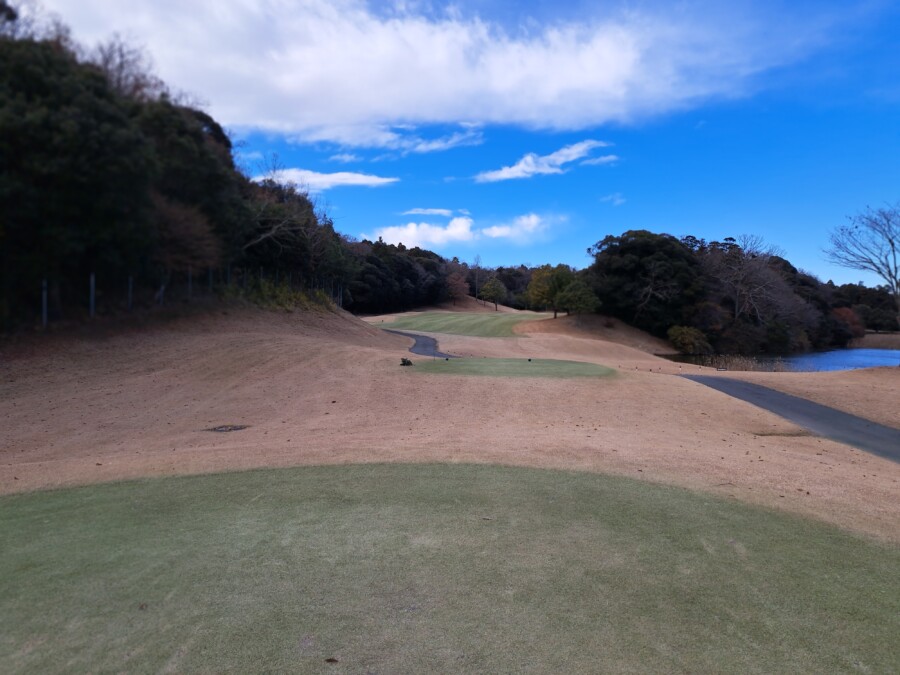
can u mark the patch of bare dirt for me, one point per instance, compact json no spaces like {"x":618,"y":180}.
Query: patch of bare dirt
{"x":316,"y":388}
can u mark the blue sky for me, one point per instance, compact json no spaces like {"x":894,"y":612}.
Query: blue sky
{"x":525,"y":132}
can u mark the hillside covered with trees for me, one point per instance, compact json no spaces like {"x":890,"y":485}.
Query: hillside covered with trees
{"x":106,"y":174}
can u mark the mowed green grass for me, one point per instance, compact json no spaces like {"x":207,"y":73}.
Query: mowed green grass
{"x":514,"y":368}
{"x":432,"y":568}
{"x":460,"y":323}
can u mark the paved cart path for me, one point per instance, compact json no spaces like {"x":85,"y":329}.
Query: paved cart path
{"x":822,"y":420}
{"x":424,"y":345}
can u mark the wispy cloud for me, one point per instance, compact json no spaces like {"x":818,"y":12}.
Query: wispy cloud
{"x":428,"y":212}
{"x":457,"y":140}
{"x":427,"y":234}
{"x":345,"y":158}
{"x":318,"y":182}
{"x":402,"y":139}
{"x":521,"y":229}
{"x":349,"y":72}
{"x":534,"y":165}
{"x":603,"y":159}
{"x":616,"y":199}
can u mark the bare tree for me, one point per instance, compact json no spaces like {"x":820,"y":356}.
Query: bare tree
{"x":871,"y":243}
{"x":128,"y":69}
{"x":476,"y":265}
{"x":27,"y":19}
{"x":744,"y":274}
{"x":286,"y":221}
{"x":457,"y":287}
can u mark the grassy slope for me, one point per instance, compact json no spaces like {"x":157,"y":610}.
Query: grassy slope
{"x":514,"y":368}
{"x":460,"y":323}
{"x":433,"y":568}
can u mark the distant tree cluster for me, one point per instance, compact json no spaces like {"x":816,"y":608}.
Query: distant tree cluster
{"x":730,"y":296}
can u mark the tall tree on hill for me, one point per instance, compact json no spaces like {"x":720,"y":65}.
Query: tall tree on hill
{"x":494,"y":291}
{"x":577,"y":298}
{"x":546,"y":284}
{"x":871,"y":243}
{"x":457,"y":286}
{"x":646,"y":279}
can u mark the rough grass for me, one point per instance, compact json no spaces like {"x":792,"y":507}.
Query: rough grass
{"x":460,"y":323}
{"x":514,"y":368}
{"x":432,"y":568}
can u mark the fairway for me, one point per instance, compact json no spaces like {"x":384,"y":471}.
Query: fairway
{"x":460,"y":323}
{"x":514,"y":368}
{"x":432,"y":568}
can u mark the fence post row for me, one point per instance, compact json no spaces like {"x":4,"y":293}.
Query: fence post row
{"x":317,"y":283}
{"x":44,"y":303}
{"x":93,"y":304}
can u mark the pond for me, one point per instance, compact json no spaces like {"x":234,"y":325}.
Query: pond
{"x":843,"y":359}
{"x":838,"y":359}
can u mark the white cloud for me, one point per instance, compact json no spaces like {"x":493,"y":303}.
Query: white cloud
{"x":347,"y":72}
{"x":603,"y":159}
{"x":426,"y":234}
{"x":616,"y":199}
{"x":521,"y":228}
{"x":533,"y":164}
{"x":345,"y":158}
{"x":428,"y":212}
{"x":317,"y":182}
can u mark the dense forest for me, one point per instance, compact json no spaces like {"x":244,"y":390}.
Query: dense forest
{"x":106,"y":174}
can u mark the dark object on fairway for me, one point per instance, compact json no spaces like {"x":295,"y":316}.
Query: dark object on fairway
{"x":405,"y":362}
{"x":229,"y":427}
{"x":529,"y":360}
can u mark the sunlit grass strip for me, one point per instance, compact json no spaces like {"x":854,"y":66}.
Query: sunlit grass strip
{"x":514,"y":368}
{"x":458,"y":323}
{"x":433,"y":568}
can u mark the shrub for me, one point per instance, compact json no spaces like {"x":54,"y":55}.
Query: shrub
{"x":688,"y":340}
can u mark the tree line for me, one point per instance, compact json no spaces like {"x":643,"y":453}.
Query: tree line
{"x":104,"y":170}
{"x":731,"y":296}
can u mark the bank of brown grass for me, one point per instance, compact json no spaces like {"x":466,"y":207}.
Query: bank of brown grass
{"x":877,"y":341}
{"x":326,"y":388}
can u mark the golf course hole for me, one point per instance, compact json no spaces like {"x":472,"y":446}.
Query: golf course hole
{"x":515,"y":368}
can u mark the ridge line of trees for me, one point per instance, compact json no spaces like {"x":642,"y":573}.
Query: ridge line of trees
{"x":104,"y":171}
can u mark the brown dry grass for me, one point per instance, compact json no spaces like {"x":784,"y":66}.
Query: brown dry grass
{"x":878,"y":341}
{"x":320,"y":388}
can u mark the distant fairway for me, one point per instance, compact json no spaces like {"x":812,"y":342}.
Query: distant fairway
{"x":514,"y":368}
{"x":433,"y":568}
{"x":458,"y":323}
